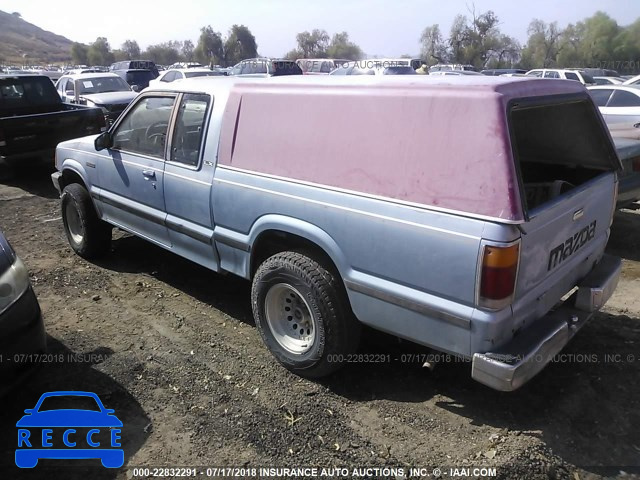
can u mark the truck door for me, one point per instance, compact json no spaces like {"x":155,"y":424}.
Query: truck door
{"x":131,"y":175}
{"x":187,"y":182}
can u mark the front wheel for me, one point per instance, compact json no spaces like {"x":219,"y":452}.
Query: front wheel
{"x":89,"y":236}
{"x":303,"y":315}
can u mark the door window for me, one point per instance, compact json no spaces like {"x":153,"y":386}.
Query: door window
{"x":624,"y":99}
{"x":189,"y":129}
{"x":601,"y":96}
{"x":144,"y":129}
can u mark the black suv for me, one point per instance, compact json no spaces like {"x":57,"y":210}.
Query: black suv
{"x":137,"y":78}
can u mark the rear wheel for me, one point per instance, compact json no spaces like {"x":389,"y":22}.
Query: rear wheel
{"x":89,"y":236}
{"x":303,"y":314}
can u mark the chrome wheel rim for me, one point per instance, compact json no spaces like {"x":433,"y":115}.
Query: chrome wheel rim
{"x":289,"y":318}
{"x":74,"y":225}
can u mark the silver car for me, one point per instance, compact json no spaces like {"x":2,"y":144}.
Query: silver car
{"x":104,"y":90}
{"x":617,"y":103}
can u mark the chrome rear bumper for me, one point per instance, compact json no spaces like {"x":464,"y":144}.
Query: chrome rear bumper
{"x":511,"y":366}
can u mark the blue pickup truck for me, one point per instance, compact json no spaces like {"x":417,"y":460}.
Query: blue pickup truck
{"x":470,"y":216}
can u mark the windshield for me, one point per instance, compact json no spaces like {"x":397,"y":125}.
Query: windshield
{"x":102,"y":85}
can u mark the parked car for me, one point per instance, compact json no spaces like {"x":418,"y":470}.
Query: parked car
{"x":135,"y":65}
{"x":455,"y":73}
{"x":107,"y":91}
{"x":319,"y":66}
{"x":451,"y":66}
{"x":172,"y":75}
{"x":22,"y":334}
{"x":501,"y":71}
{"x":368,"y":67}
{"x":266,"y":67}
{"x":608,"y":80}
{"x":181,"y":65}
{"x":33,"y":119}
{"x":617,"y":103}
{"x":564,"y":74}
{"x":475,"y":265}
{"x":629,"y":178}
{"x":137,"y":79}
{"x":632,"y":81}
{"x":597,"y":72}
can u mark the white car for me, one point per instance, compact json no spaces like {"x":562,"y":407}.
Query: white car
{"x":633,"y":81}
{"x":374,"y":67}
{"x":617,"y":103}
{"x":609,"y":80}
{"x":562,"y":74}
{"x":174,"y":74}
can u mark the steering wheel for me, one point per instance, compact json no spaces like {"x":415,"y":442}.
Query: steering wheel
{"x":156,"y":132}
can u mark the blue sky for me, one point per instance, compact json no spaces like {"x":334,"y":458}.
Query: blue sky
{"x":380,"y":27}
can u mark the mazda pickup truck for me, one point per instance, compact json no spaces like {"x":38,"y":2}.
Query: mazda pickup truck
{"x":33,"y":119}
{"x":468,"y":215}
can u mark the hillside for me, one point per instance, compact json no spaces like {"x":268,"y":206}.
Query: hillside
{"x":18,"y":37}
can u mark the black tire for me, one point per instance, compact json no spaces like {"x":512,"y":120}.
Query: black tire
{"x":89,"y":236}
{"x":336,"y":331}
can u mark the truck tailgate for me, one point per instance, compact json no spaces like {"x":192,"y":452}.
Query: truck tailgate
{"x":565,"y":234}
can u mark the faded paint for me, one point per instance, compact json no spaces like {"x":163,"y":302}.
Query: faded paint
{"x":436,"y":143}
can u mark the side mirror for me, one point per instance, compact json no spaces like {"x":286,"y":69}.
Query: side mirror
{"x":29,"y":411}
{"x":135,"y":88}
{"x":103,"y":141}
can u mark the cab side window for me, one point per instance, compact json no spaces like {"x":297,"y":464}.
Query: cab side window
{"x":188,"y":134}
{"x":144,"y":129}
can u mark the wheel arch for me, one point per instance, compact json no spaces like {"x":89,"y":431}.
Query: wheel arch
{"x":274,"y":235}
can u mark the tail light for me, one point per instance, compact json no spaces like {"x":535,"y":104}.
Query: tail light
{"x":635,"y":164}
{"x":498,"y":273}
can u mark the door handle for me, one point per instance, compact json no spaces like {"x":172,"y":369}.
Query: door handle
{"x":148,"y":174}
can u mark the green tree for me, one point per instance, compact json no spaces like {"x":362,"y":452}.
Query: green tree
{"x":627,"y":48}
{"x":210,"y":49}
{"x":543,"y":44}
{"x":313,"y":44}
{"x":342,"y":48}
{"x":131,"y":49}
{"x":599,"y":34}
{"x":434,"y":48}
{"x":79,"y":53}
{"x":100,"y":52}
{"x":239,"y":45}
{"x":165,"y":53}
{"x":187,"y":50}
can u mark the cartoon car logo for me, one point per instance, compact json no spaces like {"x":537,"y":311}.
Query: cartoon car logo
{"x":69,"y":433}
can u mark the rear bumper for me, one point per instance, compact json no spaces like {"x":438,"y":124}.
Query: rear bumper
{"x":515,"y":363}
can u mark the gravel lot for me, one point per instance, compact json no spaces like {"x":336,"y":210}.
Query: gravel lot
{"x":172,"y":348}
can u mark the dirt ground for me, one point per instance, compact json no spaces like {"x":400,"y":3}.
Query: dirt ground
{"x":173,"y":349}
